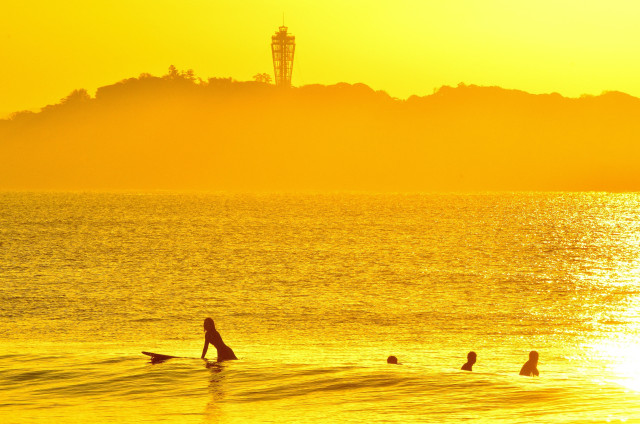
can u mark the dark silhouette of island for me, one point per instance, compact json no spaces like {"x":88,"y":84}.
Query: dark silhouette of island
{"x":181,"y":132}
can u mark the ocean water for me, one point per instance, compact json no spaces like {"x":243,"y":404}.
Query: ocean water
{"x":313,"y":292}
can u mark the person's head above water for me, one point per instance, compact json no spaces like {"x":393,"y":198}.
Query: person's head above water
{"x":530,"y":368}
{"x":471,"y":357}
{"x":392,"y":360}
{"x":209,"y":325}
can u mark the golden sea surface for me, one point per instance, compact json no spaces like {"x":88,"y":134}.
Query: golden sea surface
{"x":313,"y":292}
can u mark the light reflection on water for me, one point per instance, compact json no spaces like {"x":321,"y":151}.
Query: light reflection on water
{"x":313,"y":292}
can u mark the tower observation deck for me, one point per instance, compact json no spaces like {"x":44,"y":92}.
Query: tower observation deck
{"x":283,"y":45}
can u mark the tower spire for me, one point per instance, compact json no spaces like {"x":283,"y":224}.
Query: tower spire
{"x":283,"y":46}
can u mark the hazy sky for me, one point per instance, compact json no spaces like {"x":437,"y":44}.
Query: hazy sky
{"x":401,"y":46}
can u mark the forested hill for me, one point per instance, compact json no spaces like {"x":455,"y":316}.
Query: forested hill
{"x":180,"y":132}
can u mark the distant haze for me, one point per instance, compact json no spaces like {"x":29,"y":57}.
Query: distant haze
{"x":176,"y":132}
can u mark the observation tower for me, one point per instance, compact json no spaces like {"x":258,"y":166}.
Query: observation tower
{"x":283,"y":45}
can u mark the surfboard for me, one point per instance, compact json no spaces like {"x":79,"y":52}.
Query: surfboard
{"x":157,"y":357}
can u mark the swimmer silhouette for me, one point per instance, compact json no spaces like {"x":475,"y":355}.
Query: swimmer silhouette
{"x":392,"y":360}
{"x":471,"y":359}
{"x":530,"y":368}
{"x":212,"y":336}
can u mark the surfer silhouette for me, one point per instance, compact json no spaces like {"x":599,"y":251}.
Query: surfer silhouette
{"x":471,"y":359}
{"x":530,"y":368}
{"x":212,"y":336}
{"x":392,"y":360}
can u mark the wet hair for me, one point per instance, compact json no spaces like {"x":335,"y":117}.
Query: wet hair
{"x":471,"y":355}
{"x":209,"y":324}
{"x":533,"y":355}
{"x":392,"y":360}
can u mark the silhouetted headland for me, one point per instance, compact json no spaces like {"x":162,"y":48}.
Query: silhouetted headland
{"x":181,"y":132}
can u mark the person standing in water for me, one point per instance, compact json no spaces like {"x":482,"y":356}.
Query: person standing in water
{"x":212,"y":336}
{"x":471,"y":359}
{"x":530,"y":368}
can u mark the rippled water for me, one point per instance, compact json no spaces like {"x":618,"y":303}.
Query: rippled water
{"x":313,"y":292}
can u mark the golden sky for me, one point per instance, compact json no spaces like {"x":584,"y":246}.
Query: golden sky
{"x":401,"y":46}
